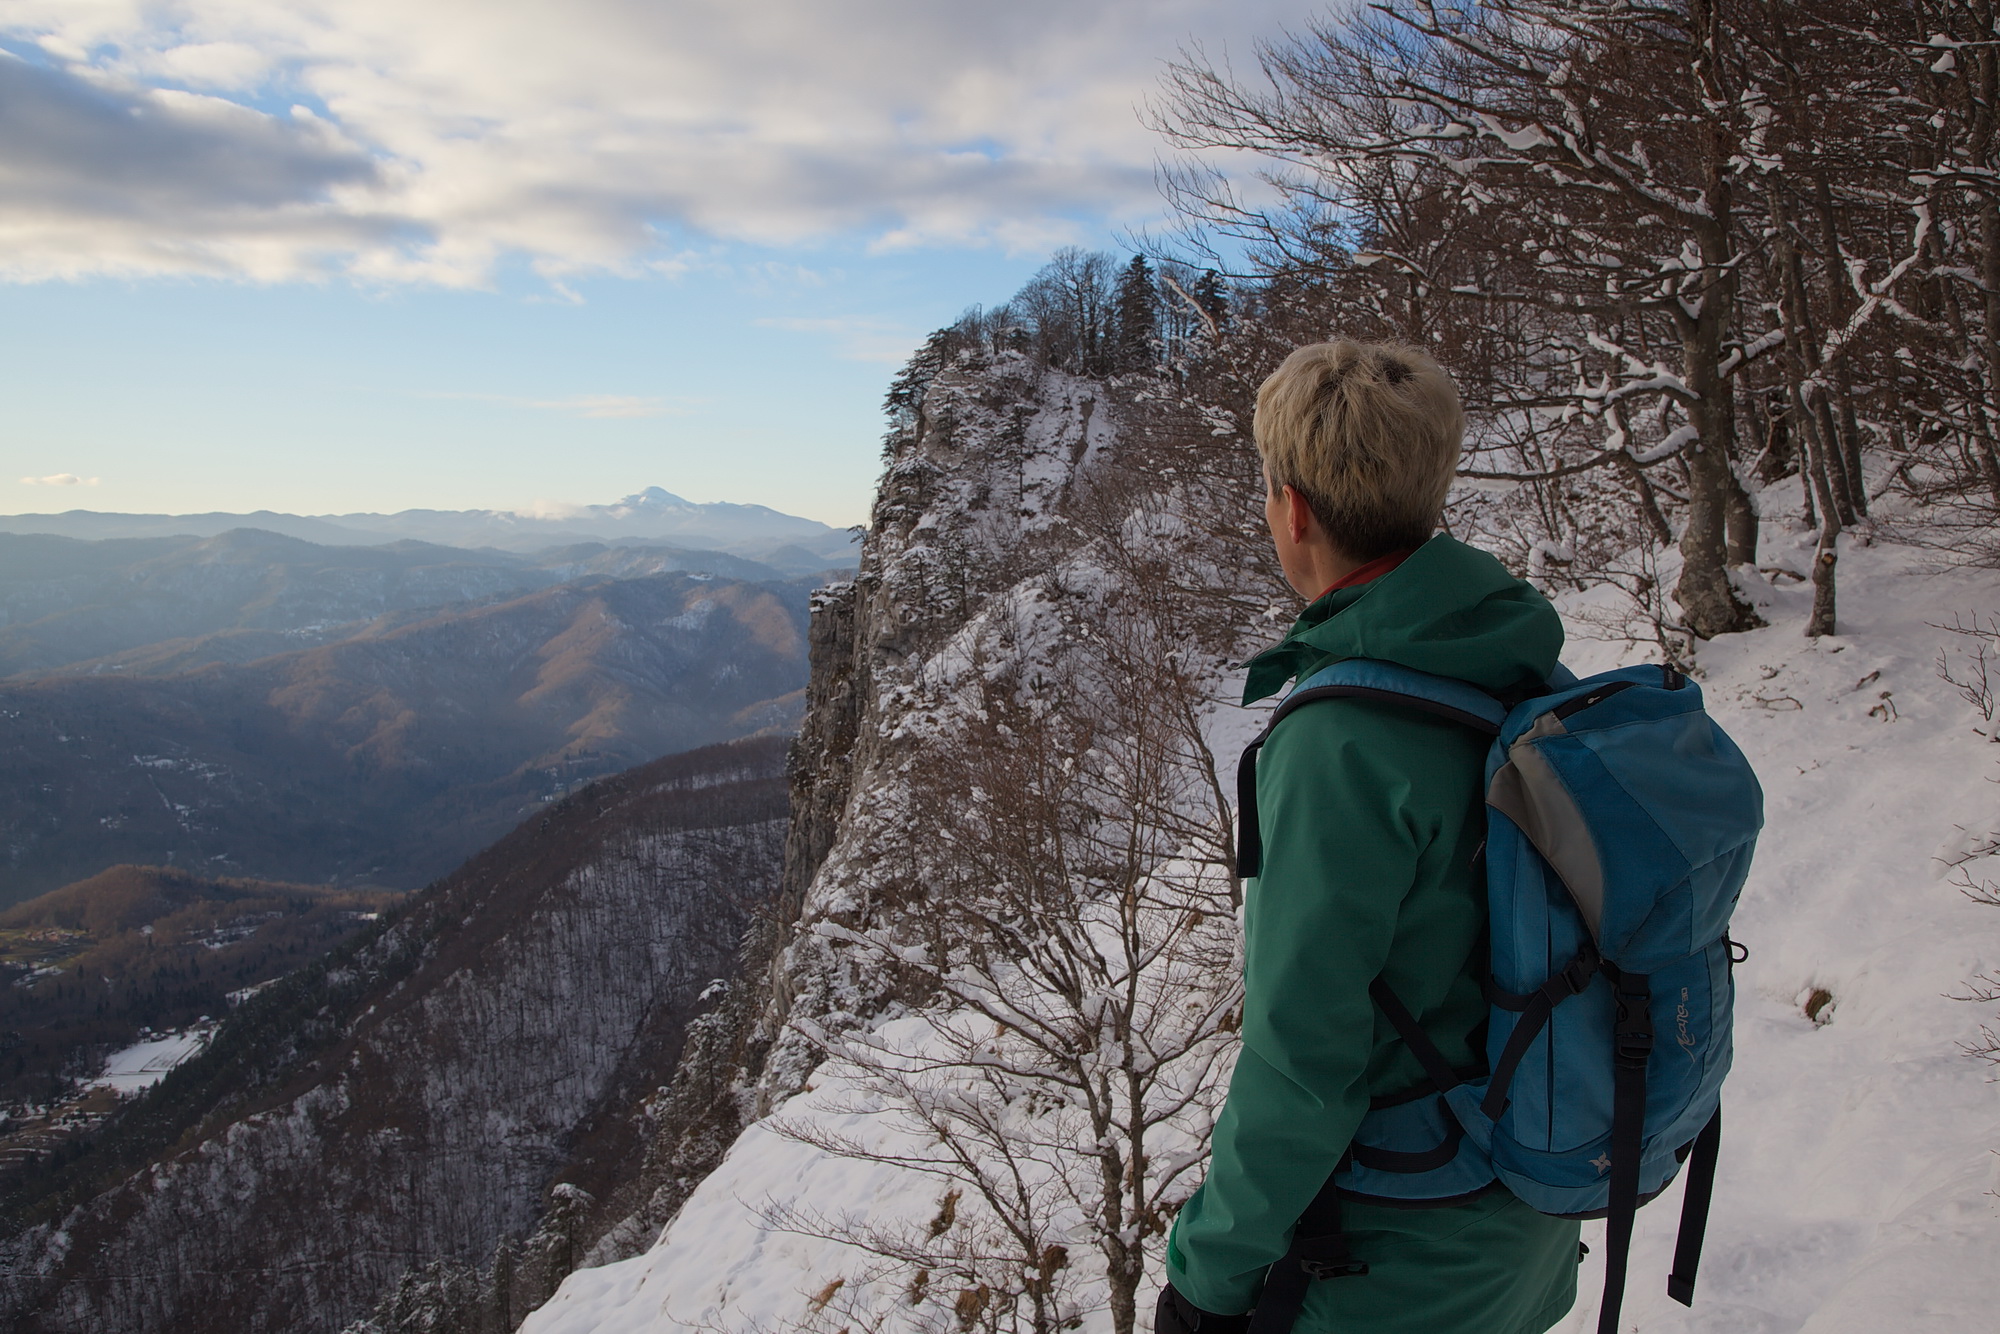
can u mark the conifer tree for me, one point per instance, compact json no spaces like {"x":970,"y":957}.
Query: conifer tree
{"x":1212,"y":295}
{"x":1138,"y":315}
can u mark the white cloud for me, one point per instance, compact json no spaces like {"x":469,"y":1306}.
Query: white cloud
{"x":609,"y":406}
{"x":590,"y":135}
{"x":858,"y":338}
{"x":229,"y":65}
{"x":102,"y":175}
{"x":599,"y":406}
{"x":60,"y":479}
{"x":552,"y":509}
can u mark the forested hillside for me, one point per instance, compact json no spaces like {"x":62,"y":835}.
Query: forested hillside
{"x":152,"y":606}
{"x":462,"y":1086}
{"x":90,"y":965}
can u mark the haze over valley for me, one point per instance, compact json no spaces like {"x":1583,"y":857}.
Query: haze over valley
{"x":652,"y":516}
{"x":369,"y":709}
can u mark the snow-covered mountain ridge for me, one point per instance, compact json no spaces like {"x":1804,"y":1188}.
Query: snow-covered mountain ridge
{"x":1857,"y":1188}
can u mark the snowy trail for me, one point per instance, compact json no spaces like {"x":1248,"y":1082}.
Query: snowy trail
{"x":1855,"y":1191}
{"x":1861,"y":1155}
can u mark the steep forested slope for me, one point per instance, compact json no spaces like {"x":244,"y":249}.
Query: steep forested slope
{"x":427,"y":1094}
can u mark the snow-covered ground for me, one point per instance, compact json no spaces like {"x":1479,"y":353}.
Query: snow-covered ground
{"x":144,"y":1064}
{"x":1862,"y":1151}
{"x":719,"y":1266}
{"x":1856,"y":1193}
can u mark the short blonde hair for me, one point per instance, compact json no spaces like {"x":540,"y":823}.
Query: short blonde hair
{"x":1369,"y":434}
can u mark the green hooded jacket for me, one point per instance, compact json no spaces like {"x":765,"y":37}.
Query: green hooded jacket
{"x":1371,"y":817}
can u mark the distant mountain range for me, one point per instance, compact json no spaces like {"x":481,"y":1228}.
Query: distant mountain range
{"x":393,"y":748}
{"x":153,"y":605}
{"x":371,"y":708}
{"x":785,"y":541}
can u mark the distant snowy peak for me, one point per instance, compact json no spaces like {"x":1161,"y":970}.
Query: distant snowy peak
{"x":653,"y":498}
{"x":659,"y":511}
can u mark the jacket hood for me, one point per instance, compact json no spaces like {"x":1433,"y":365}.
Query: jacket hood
{"x":1450,"y":610}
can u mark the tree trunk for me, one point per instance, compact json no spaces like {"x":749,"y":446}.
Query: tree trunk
{"x":1989,"y":272}
{"x":1813,"y":460}
{"x":1824,"y":561}
{"x":1809,"y":512}
{"x":1707,"y":598}
{"x":1801,"y":328}
{"x":1850,"y":434}
{"x":1839,"y":386}
{"x":1848,"y":486}
{"x":1122,"y":1259}
{"x":1740,"y":522}
{"x":1645,"y":501}
{"x":1802,"y":340}
{"x":1813,"y":445}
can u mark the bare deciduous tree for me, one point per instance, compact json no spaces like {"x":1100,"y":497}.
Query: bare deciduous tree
{"x":1078,"y":952}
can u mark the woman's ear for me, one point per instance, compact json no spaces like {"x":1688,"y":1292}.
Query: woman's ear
{"x":1298,"y":515}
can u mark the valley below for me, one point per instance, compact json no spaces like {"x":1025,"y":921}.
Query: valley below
{"x":467,"y":1078}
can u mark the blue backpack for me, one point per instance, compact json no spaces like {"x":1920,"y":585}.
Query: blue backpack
{"x":1620,"y":824}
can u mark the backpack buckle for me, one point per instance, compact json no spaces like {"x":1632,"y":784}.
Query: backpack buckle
{"x":1334,"y":1268}
{"x":1632,"y":1030}
{"x":1577,"y":974}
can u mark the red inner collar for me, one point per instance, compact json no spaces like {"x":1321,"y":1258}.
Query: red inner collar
{"x":1372,"y":571}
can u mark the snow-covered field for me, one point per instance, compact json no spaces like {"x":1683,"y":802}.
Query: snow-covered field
{"x":1862,"y":1151}
{"x":144,"y":1064}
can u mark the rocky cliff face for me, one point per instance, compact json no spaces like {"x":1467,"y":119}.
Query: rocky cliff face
{"x":972,"y":495}
{"x":483,"y":1061}
{"x":1022,"y":517}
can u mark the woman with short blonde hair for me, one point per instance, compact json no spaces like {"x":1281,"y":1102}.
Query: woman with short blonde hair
{"x":1369,"y":434}
{"x":1370,"y":821}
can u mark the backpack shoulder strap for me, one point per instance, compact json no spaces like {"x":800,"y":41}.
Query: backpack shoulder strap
{"x":1359,"y":678}
{"x":1371,"y":678}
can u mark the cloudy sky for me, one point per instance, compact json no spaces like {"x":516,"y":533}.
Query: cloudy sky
{"x":324,"y":255}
